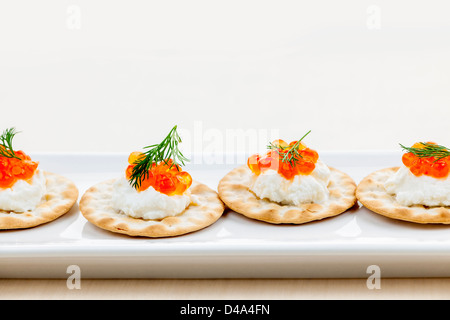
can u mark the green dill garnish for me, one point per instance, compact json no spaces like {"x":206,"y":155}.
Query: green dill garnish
{"x":429,"y":150}
{"x":156,"y":153}
{"x":292,"y":155}
{"x":6,"y":147}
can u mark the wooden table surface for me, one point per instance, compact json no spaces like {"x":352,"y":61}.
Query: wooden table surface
{"x":193,"y":289}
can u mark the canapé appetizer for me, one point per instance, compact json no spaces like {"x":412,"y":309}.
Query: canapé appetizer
{"x":30,"y":196}
{"x":154,"y":197}
{"x":287,"y":184}
{"x":417,"y":191}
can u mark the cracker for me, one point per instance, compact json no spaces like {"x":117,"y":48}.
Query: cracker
{"x":372,"y":194}
{"x":234,"y":192}
{"x":60,"y":195}
{"x":95,"y":205}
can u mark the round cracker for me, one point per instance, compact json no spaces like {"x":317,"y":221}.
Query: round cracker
{"x":234,"y":192}
{"x":60,"y":196}
{"x":96,"y":207}
{"x":372,"y":194}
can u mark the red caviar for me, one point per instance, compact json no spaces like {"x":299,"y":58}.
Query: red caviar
{"x":164,"y":177}
{"x":12,"y":169}
{"x":429,"y":166}
{"x":304,"y":164}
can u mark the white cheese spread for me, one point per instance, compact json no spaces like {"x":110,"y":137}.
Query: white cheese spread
{"x":147,"y":204}
{"x":301,"y":189}
{"x":23,"y":195}
{"x":409,"y":189}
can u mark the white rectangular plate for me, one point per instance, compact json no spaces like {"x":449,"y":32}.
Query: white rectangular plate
{"x":233,"y":247}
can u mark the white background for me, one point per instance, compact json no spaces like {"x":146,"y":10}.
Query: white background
{"x":114,"y":76}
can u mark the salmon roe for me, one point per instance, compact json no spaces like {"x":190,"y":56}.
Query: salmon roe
{"x":12,"y":169}
{"x":304,"y":165}
{"x":166,"y":178}
{"x":428,"y":166}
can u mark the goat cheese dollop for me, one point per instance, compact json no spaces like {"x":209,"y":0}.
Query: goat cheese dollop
{"x":147,"y":204}
{"x":301,"y":189}
{"x":24,"y":195}
{"x":409,"y":189}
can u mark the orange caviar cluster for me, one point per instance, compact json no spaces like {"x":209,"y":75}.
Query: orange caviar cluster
{"x":12,"y":169}
{"x":304,"y":165}
{"x":164,"y":177}
{"x":428,"y":166}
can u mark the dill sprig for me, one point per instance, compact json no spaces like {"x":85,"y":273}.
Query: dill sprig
{"x":292,"y":155}
{"x":6,"y":147}
{"x":156,"y":153}
{"x":429,"y":150}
